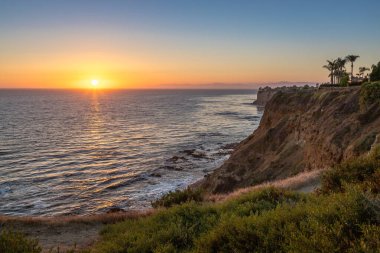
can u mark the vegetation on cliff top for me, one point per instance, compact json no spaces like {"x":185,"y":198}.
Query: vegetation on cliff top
{"x":339,"y":75}
{"x":375,"y":74}
{"x":370,"y":93}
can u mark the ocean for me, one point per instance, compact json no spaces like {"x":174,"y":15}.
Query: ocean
{"x":66,"y":152}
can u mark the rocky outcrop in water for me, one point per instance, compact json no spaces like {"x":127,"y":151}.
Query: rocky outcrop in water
{"x":301,"y":130}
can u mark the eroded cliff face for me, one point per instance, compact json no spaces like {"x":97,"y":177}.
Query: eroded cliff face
{"x":303,"y":130}
{"x":263,"y":96}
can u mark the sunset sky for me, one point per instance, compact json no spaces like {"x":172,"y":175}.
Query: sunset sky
{"x":180,"y":44}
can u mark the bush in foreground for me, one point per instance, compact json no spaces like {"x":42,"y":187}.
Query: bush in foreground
{"x":177,"y":229}
{"x":363,"y":171}
{"x":16,"y":242}
{"x":334,"y":223}
{"x":178,"y":197}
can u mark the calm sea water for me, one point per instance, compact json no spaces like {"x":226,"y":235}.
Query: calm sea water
{"x":81,"y":152}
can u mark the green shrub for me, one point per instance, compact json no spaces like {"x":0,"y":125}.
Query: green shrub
{"x":334,"y":223}
{"x":179,"y":227}
{"x":16,"y":242}
{"x":375,"y":74}
{"x":338,"y":222}
{"x":344,"y":80}
{"x":369,"y":94}
{"x":169,"y":230}
{"x":370,"y":239}
{"x":364,"y":170}
{"x":179,"y":197}
{"x":257,"y":202}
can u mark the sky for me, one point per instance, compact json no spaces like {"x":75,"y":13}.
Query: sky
{"x":182,"y":43}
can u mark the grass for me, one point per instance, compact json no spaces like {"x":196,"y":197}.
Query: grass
{"x":337,"y":222}
{"x":180,"y":227}
{"x":16,"y":242}
{"x":333,"y":223}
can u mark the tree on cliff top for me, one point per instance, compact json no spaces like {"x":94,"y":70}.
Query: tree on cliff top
{"x":331,"y":66}
{"x":375,"y":74}
{"x":352,"y":58}
{"x":362,"y":71}
{"x":340,"y":70}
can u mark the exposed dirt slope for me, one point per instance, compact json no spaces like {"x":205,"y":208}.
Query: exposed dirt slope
{"x":304,"y":130}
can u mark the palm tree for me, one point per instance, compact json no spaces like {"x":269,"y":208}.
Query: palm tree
{"x":352,"y":58}
{"x":331,"y":66}
{"x":362,"y":70}
{"x":340,"y":68}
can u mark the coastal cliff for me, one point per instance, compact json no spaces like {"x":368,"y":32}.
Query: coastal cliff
{"x":264,"y":94}
{"x":301,"y":130}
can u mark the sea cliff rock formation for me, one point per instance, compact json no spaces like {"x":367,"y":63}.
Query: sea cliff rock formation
{"x":264,"y":94}
{"x":301,"y":130}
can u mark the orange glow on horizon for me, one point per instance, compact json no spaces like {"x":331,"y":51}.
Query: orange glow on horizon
{"x":141,"y":79}
{"x":68,"y":71}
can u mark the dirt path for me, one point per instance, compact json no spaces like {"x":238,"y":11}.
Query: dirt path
{"x":302,"y":182}
{"x":62,"y":237}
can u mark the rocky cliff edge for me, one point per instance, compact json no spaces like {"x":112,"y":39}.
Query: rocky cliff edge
{"x":302,"y":130}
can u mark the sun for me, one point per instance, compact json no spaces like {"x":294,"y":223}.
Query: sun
{"x":94,"y":82}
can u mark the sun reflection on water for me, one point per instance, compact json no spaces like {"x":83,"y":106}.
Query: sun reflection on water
{"x":106,"y":148}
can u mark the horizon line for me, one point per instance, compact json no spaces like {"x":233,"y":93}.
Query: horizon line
{"x":190,"y":86}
